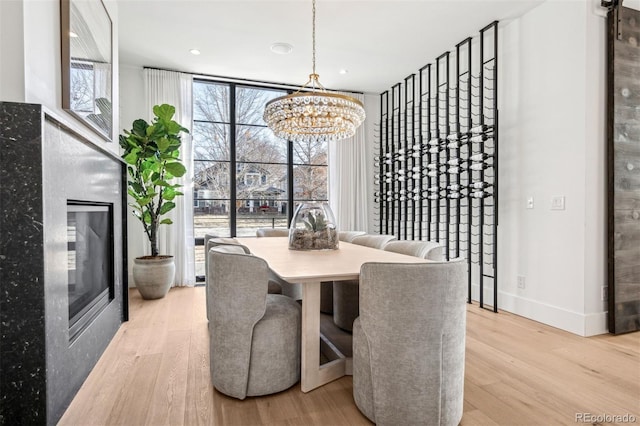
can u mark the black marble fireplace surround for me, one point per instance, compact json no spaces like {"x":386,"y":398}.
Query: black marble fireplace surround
{"x":43,"y":164}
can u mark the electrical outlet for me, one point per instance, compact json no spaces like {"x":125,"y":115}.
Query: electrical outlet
{"x":557,"y":203}
{"x":521,"y":283}
{"x":604,"y":293}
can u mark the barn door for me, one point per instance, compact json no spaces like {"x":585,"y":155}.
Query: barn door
{"x":624,"y":168}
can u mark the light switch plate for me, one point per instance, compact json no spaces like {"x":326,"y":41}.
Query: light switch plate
{"x":557,"y":203}
{"x":530,"y":202}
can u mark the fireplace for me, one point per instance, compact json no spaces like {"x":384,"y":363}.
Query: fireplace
{"x":63,"y":275}
{"x":90,"y":262}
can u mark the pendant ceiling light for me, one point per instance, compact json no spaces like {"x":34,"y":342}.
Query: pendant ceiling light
{"x":312,"y":113}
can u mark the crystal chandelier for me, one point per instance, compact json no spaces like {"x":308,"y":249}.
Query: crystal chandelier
{"x":312,"y":113}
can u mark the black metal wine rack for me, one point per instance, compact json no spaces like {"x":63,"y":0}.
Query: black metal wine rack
{"x":437,"y":166}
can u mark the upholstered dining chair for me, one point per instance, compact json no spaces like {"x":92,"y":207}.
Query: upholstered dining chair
{"x":348,"y":236}
{"x":430,"y":250}
{"x":272,"y":232}
{"x":345,"y":293}
{"x":326,"y":288}
{"x":211,"y":241}
{"x":373,"y":240}
{"x":409,"y":343}
{"x":293,"y":290}
{"x":254,"y":336}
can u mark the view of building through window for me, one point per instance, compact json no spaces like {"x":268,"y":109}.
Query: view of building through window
{"x":245,"y":177}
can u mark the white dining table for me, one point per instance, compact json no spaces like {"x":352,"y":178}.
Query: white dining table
{"x":310,"y":268}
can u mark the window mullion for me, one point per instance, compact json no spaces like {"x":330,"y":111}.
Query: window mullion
{"x":232,"y":157}
{"x":289,"y":181}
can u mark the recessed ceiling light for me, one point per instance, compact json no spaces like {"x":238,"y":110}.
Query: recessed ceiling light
{"x":343,"y":71}
{"x":194,"y":51}
{"x":281,"y":48}
{"x":72,"y":34}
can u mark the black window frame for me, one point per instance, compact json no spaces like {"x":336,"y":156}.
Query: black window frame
{"x":199,"y":241}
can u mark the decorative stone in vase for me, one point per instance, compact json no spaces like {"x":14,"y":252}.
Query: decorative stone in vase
{"x":313,"y":228}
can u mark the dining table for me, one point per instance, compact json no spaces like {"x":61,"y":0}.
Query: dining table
{"x":309,"y":268}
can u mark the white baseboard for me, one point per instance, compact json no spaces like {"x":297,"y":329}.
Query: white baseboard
{"x":573,"y":322}
{"x":595,"y":324}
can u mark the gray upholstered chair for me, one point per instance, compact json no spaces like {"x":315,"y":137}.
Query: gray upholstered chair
{"x":211,"y":241}
{"x":254,"y":336}
{"x":293,"y":290}
{"x":274,"y":286}
{"x":424,"y":249}
{"x":374,"y":241}
{"x":345,"y":293}
{"x":409,"y":343}
{"x":348,"y":236}
{"x":272,"y":232}
{"x":326,"y":288}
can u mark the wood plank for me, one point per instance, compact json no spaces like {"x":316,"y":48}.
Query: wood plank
{"x":200,"y":396}
{"x":167,"y":404}
{"x":624,"y":170}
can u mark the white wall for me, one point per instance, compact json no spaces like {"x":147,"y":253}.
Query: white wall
{"x":12,"y":51}
{"x":30,"y":59}
{"x":552,"y":143}
{"x":132,"y":107}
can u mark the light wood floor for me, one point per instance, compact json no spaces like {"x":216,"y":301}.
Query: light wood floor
{"x":518,"y":372}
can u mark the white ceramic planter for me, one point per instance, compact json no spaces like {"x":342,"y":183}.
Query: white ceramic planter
{"x":153,"y":276}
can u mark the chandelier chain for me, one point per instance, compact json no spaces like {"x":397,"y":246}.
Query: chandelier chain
{"x":313,"y":35}
{"x":313,"y":115}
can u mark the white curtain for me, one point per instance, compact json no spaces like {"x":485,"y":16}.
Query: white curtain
{"x":348,"y":180}
{"x":167,"y":87}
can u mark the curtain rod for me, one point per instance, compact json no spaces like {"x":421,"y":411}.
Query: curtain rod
{"x":244,"y":80}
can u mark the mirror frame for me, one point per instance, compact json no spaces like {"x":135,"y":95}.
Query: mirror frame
{"x":65,"y":29}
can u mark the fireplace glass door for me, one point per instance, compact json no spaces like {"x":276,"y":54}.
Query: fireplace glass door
{"x":90,"y":262}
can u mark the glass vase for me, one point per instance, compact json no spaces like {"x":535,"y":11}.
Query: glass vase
{"x":313,"y":227}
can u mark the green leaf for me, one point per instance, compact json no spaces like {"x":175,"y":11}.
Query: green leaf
{"x":143,"y":201}
{"x":163,"y":144}
{"x":131,"y":158}
{"x":164,"y":111}
{"x":146,"y":174}
{"x":168,"y":194}
{"x":146,"y":217}
{"x":136,"y":187}
{"x":160,"y":131}
{"x":161,"y":182}
{"x":174,"y":128}
{"x":135,"y":207}
{"x":176,"y":169}
{"x":122,"y":140}
{"x":167,"y":207}
{"x":166,"y":221}
{"x":140,"y":127}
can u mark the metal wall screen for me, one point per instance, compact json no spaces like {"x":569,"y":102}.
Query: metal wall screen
{"x":437,"y":167}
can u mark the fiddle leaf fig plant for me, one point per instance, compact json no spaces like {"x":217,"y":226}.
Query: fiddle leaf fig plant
{"x":151,"y":152}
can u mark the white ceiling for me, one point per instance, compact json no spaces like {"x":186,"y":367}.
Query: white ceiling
{"x":378,"y":42}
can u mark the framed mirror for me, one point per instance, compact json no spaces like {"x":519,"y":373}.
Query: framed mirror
{"x":87,"y":65}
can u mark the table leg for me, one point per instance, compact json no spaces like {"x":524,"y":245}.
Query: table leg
{"x":313,"y":375}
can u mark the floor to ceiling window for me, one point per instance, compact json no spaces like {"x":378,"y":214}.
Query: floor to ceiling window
{"x":245,"y":177}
